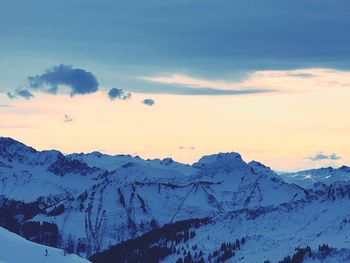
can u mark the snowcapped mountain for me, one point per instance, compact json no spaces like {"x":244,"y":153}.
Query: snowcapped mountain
{"x":326,"y":176}
{"x":15,"y":249}
{"x":257,"y":234}
{"x":138,"y":197}
{"x":27,"y":174}
{"x":86,"y":203}
{"x":269,"y":234}
{"x":114,"y":162}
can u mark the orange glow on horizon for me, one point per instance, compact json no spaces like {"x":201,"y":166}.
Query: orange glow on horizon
{"x":278,"y":129}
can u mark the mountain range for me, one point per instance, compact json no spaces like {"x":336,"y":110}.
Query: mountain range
{"x":122,"y":208}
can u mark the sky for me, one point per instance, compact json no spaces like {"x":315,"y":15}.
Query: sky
{"x":268,"y":79}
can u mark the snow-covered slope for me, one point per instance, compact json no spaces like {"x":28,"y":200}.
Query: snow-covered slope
{"x":88,"y":202}
{"x":274,"y":233}
{"x":326,"y":176}
{"x":113,"y":162}
{"x":27,"y":174}
{"x":137,"y":197}
{"x":264,"y":234}
{"x":15,"y":249}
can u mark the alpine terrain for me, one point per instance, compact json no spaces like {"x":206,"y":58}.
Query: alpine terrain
{"x":126,"y":209}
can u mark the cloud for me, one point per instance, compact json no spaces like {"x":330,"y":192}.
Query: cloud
{"x":282,"y":35}
{"x":186,"y":85}
{"x":67,"y":118}
{"x":78,"y":80}
{"x":189,"y":81}
{"x":197,"y":91}
{"x":187,"y":148}
{"x":148,"y":102}
{"x":302,"y":75}
{"x":322,"y":156}
{"x":115,"y":93}
{"x":22,"y":93}
{"x":266,"y":81}
{"x":214,"y":92}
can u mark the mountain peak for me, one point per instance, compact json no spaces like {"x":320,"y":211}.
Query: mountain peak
{"x":220,"y":163}
{"x":229,"y":157}
{"x":167,"y":161}
{"x":10,"y":147}
{"x":344,"y":168}
{"x":261,"y":169}
{"x":7,"y":141}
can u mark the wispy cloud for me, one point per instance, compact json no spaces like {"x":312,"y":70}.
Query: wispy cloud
{"x":185,"y":85}
{"x":191,"y":148}
{"x":212,"y":92}
{"x":322,"y":156}
{"x":302,"y":75}
{"x":185,"y":80}
{"x":20,"y":93}
{"x":263,"y":81}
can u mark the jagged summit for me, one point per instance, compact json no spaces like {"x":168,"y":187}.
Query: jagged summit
{"x":8,"y":140}
{"x":344,"y":168}
{"x":167,"y":161}
{"x":96,"y":200}
{"x":10,"y":147}
{"x":231,"y":157}
{"x":221,"y":164}
{"x":261,"y":169}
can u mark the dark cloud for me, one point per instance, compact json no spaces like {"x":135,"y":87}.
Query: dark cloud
{"x":67,"y":118}
{"x":20,"y":93}
{"x":78,"y":80}
{"x":322,"y":156}
{"x":302,"y":75}
{"x":11,"y":95}
{"x":115,"y":93}
{"x":148,"y":102}
{"x":231,"y":35}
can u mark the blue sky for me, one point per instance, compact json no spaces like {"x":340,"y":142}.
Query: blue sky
{"x":129,"y":45}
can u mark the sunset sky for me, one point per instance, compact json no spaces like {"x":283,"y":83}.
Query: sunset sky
{"x":267,"y":79}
